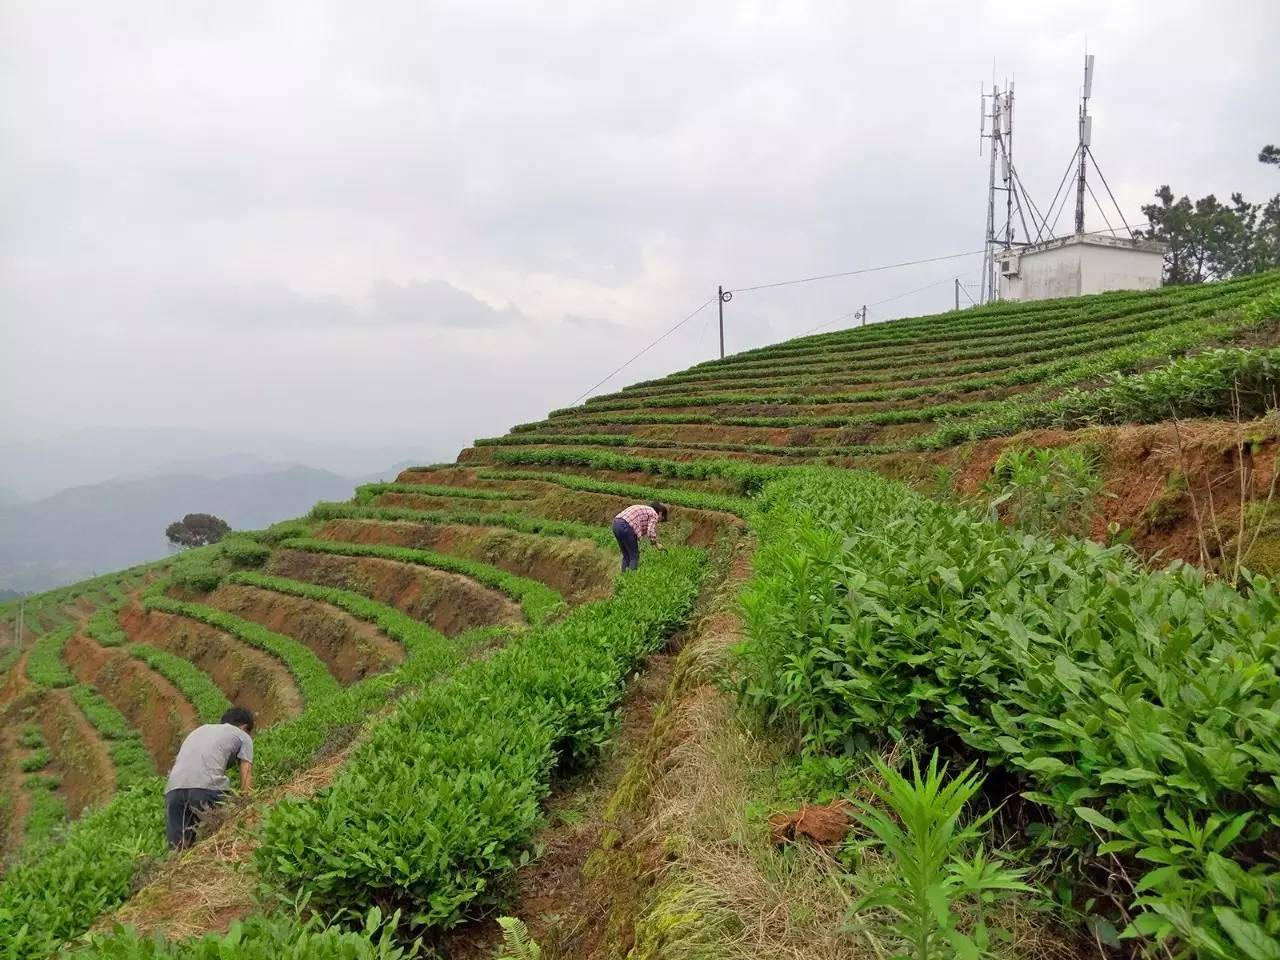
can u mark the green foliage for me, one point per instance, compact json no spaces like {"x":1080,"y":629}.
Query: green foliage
{"x":197,"y":573}
{"x":241,"y":551}
{"x":399,"y":626}
{"x":512,"y":521}
{"x":1045,"y":490}
{"x":37,"y":760}
{"x":1136,"y":709}
{"x":537,"y":600}
{"x":366,"y":493}
{"x":31,"y":737}
{"x":285,"y":530}
{"x":1219,"y":383}
{"x":747,"y":477}
{"x":46,"y":814}
{"x":517,"y":944}
{"x":696,"y":499}
{"x":197,"y":530}
{"x":258,"y":938}
{"x":45,"y":667}
{"x":439,"y":806}
{"x":313,"y":677}
{"x":1210,"y":240}
{"x":939,"y":862}
{"x":104,"y":625}
{"x":133,"y":764}
{"x":192,"y":682}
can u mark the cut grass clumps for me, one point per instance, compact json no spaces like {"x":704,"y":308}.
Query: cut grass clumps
{"x":192,"y":682}
{"x":313,"y":677}
{"x":438,"y":808}
{"x":37,"y":760}
{"x":537,"y":600}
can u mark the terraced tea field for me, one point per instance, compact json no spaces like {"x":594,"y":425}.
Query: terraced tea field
{"x":444,"y":672}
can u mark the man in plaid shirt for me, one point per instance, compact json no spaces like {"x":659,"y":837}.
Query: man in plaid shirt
{"x":639,"y":521}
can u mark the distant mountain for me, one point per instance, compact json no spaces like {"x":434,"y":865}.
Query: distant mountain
{"x":35,"y":469}
{"x":9,"y":498}
{"x":106,"y":526}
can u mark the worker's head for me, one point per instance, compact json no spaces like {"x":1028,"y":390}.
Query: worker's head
{"x":660,"y":509}
{"x":239,"y":717}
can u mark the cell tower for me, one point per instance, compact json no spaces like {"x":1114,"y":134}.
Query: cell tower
{"x":1086,"y":136}
{"x":1001,"y":236}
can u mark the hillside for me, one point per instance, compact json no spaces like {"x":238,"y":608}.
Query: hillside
{"x":85,"y":530}
{"x":466,"y":711}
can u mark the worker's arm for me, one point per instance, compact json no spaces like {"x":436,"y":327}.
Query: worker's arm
{"x":653,"y":533}
{"x":246,"y":776}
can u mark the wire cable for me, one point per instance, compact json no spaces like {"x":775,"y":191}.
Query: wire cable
{"x":1094,"y":197}
{"x":1103,"y":177}
{"x":878,"y":303}
{"x":703,"y":306}
{"x":852,"y":273}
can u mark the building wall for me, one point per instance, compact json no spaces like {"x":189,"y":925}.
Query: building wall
{"x":1073,"y":269}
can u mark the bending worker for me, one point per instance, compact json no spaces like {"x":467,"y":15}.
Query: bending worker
{"x":198,"y":780}
{"x":639,"y":521}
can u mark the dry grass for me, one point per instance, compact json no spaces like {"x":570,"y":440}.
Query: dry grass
{"x":206,"y":888}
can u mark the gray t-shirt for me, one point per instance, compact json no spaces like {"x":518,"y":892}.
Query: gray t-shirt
{"x":205,"y":756}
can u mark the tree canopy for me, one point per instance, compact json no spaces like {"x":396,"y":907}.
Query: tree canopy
{"x":197,"y":530}
{"x":1212,"y":240}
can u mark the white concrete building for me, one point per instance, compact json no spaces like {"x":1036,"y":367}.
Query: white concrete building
{"x":1080,"y":264}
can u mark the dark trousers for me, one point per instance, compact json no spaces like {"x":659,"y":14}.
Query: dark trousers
{"x":183,"y":809}
{"x":627,"y":543}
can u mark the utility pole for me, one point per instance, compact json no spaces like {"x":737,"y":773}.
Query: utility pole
{"x":957,"y":293}
{"x":723,"y":296}
{"x":22,"y":611}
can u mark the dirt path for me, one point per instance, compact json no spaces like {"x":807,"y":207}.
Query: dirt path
{"x":82,"y":755}
{"x":562,"y":900}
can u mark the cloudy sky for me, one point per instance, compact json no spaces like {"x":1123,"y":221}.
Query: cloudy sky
{"x":421,"y":222}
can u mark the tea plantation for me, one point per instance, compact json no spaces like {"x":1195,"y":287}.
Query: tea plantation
{"x":1038,"y":744}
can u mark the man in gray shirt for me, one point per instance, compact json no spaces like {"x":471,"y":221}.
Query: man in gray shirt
{"x":198,"y":779}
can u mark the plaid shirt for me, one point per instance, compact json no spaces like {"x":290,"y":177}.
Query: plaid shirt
{"x":643,"y":520}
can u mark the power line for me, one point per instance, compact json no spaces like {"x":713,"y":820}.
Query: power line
{"x":878,"y":303}
{"x":851,"y":273}
{"x":701,"y":307}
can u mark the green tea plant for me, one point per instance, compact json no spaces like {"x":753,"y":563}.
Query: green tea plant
{"x":696,"y":499}
{"x":512,"y":521}
{"x":1049,"y":490}
{"x":243,"y":551}
{"x":942,"y":874}
{"x":366,"y":493}
{"x":104,"y":625}
{"x":440,"y":803}
{"x":1138,"y":710}
{"x":192,"y":682}
{"x":36,"y":760}
{"x":313,"y":677}
{"x":45,"y":667}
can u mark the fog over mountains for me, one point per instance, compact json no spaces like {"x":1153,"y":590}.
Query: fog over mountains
{"x":99,"y":500}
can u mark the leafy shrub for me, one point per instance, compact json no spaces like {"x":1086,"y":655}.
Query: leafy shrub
{"x":132,"y":762}
{"x":696,"y":499}
{"x":31,"y":737}
{"x":285,"y":530}
{"x":1046,"y":490}
{"x":199,"y":574}
{"x":328,"y":510}
{"x":258,"y":938}
{"x":366,"y":493}
{"x":800,"y":437}
{"x":244,"y":552}
{"x":38,"y":760}
{"x":46,"y":814}
{"x":1137,"y":709}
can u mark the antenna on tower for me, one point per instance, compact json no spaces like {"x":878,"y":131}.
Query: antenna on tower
{"x":1002,"y":237}
{"x":1086,"y":136}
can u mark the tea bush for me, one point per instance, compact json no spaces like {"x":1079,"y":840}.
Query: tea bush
{"x":521,"y":523}
{"x":45,"y":667}
{"x":1137,"y":710}
{"x":438,"y":807}
{"x":313,"y":677}
{"x":697,"y":499}
{"x":242,"y":551}
{"x":537,"y":600}
{"x":192,"y":682}
{"x":367,"y":492}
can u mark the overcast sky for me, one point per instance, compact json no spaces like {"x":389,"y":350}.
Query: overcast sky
{"x":421,"y":222}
